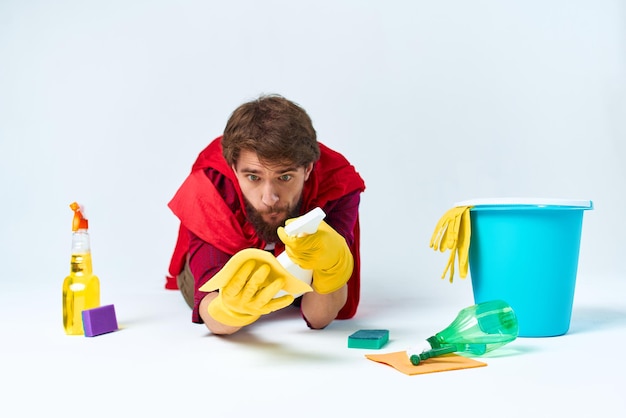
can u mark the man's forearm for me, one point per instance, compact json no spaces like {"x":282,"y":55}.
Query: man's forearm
{"x":320,"y":310}
{"x":213,"y":325}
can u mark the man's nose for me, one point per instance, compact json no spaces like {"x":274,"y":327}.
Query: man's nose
{"x":270,"y":196}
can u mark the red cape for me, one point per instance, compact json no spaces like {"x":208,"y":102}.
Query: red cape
{"x":201,"y":209}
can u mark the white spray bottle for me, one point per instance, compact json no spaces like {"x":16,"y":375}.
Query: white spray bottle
{"x":305,"y":224}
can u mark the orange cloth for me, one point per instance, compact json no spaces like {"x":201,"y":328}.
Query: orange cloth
{"x":399,"y":360}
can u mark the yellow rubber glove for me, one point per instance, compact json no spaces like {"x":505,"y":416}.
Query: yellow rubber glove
{"x":453,"y":232}
{"x":248,"y":285}
{"x":325,"y":252}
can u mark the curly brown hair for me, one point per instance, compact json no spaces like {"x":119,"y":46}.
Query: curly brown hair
{"x":278,"y":130}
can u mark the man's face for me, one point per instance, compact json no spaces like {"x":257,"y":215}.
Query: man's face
{"x":272,"y":192}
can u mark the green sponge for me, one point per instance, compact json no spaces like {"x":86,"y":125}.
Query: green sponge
{"x":369,"y":338}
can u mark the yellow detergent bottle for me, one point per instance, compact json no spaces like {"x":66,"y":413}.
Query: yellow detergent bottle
{"x":81,"y":289}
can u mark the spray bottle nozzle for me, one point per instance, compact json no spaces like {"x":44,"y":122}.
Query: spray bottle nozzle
{"x":79,"y":221}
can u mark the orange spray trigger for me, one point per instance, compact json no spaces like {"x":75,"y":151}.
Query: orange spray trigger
{"x":79,"y":221}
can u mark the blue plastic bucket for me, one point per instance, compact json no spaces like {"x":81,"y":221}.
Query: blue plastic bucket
{"x":525,"y":252}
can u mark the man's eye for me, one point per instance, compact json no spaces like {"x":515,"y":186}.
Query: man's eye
{"x":285,"y":177}
{"x":253,"y":177}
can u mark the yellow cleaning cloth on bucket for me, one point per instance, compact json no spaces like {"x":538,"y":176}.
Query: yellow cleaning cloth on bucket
{"x":453,"y":232}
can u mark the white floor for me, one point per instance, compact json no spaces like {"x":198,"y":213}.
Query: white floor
{"x":159,"y":363}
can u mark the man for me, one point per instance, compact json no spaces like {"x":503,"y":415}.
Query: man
{"x":266,"y":169}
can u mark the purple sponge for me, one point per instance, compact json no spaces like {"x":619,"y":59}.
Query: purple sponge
{"x":100,"y":320}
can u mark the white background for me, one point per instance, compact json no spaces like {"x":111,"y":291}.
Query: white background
{"x":109,"y":102}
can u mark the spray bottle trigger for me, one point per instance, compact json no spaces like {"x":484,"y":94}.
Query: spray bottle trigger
{"x":79,"y":221}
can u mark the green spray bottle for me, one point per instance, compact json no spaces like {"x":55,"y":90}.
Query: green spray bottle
{"x":477,"y":329}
